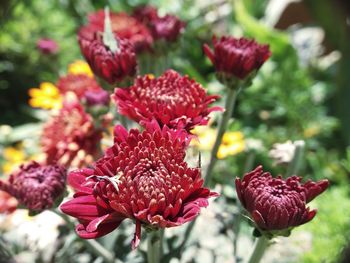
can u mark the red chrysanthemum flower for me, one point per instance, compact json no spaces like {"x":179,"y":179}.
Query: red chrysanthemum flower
{"x":126,"y":27}
{"x":8,"y":203}
{"x":111,"y":65}
{"x":237,"y":57}
{"x":70,"y":137}
{"x":171,"y":99}
{"x":97,"y":97}
{"x":78,"y":84}
{"x":36,"y":186}
{"x":143,"y":177}
{"x":167,"y":27}
{"x":277,"y":203}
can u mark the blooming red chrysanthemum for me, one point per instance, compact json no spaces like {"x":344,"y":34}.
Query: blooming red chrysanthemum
{"x":171,"y":99}
{"x":36,"y":186}
{"x":111,"y":65}
{"x":8,"y":203}
{"x":125,"y":27}
{"x":70,"y":137}
{"x":277,"y":203}
{"x":143,"y":177}
{"x":167,"y":27}
{"x":47,"y":46}
{"x":237,"y":57}
{"x":77,"y":83}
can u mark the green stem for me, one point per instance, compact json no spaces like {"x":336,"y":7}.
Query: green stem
{"x":295,"y":164}
{"x":229,"y":107}
{"x":95,"y":247}
{"x":154,"y":246}
{"x":260,"y":247}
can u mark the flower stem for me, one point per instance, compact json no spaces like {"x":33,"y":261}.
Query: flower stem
{"x":229,"y":107}
{"x":260,"y":247}
{"x":154,"y":246}
{"x":295,"y":164}
{"x":95,"y":247}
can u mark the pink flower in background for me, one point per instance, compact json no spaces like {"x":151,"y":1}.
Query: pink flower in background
{"x":78,"y":84}
{"x":70,"y":138}
{"x":171,"y":99}
{"x":36,"y":186}
{"x":277,"y":203}
{"x":143,"y":177}
{"x":47,"y":46}
{"x":97,"y":97}
{"x":237,"y":56}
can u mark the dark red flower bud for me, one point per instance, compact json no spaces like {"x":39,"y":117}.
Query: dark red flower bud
{"x":277,"y":203}
{"x":36,"y":186}
{"x":143,"y":177}
{"x":168,"y":27}
{"x":171,"y":99}
{"x":96,"y":97}
{"x":125,"y":27}
{"x":111,"y":65}
{"x":47,"y":46}
{"x":237,"y":57}
{"x":77,"y":83}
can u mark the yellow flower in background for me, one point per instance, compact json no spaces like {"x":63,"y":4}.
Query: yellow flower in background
{"x":13,"y":157}
{"x":47,"y":96}
{"x":80,"y":67}
{"x":232,"y":142}
{"x":312,"y":131}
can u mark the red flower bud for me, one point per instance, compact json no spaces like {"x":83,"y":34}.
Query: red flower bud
{"x":111,"y":65}
{"x":171,"y":99}
{"x":144,"y":177}
{"x":277,"y":203}
{"x":36,"y":186}
{"x":237,"y":57}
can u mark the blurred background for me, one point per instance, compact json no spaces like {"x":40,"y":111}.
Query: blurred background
{"x":301,"y":93}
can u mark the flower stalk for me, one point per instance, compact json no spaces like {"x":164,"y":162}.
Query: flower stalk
{"x":154,"y":246}
{"x":229,"y":108}
{"x":261,"y":245}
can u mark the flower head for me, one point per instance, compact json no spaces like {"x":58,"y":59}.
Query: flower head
{"x":96,"y":97}
{"x":145,"y":14}
{"x":171,"y":99}
{"x":80,"y":67}
{"x":36,"y":186}
{"x":143,"y":177}
{"x":111,"y":65}
{"x":70,"y":137}
{"x":237,"y":57}
{"x":47,"y":96}
{"x":78,"y":84}
{"x":47,"y":46}
{"x":277,"y":204}
{"x":125,"y":27}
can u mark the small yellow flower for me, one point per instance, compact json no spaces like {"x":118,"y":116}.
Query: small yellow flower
{"x":311,"y":131}
{"x":47,"y":96}
{"x":232,"y":142}
{"x":80,"y":67}
{"x":13,"y":156}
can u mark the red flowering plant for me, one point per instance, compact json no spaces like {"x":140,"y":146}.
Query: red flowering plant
{"x":172,"y":100}
{"x":143,"y":177}
{"x":277,"y":205}
{"x":236,"y":57}
{"x":36,"y":187}
{"x":8,"y":203}
{"x":70,"y":137}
